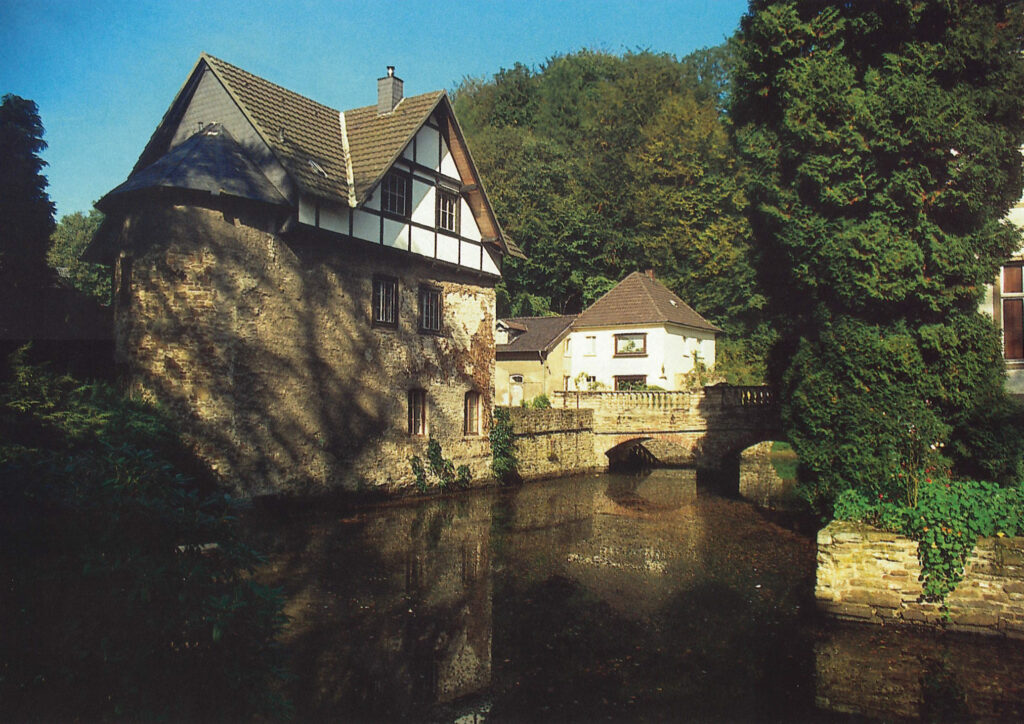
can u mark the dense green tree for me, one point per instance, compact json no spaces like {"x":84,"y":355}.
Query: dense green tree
{"x":26,"y":215}
{"x":883,"y":144}
{"x":26,"y":212}
{"x":599,"y":165}
{"x":73,"y":234}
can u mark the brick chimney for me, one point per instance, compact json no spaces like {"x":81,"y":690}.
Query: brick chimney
{"x":649,"y":272}
{"x":389,"y":91}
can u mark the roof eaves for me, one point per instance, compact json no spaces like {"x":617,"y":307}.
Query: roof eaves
{"x":506,"y":245}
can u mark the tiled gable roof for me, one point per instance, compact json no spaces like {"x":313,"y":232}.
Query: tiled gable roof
{"x":540,"y":335}
{"x":376,"y":140}
{"x":297,"y":129}
{"x":639,"y":299}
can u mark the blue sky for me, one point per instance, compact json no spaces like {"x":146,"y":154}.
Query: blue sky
{"x":103,"y":72}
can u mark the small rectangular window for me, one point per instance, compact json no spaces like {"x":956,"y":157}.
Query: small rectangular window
{"x":568,"y":350}
{"x":590,"y":349}
{"x":472,"y":426}
{"x":417,"y":412}
{"x":430,"y":309}
{"x":385,"y":301}
{"x":447,"y":210}
{"x":394,"y":194}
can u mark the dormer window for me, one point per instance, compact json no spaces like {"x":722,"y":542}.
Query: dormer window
{"x":447,"y":210}
{"x":394,"y":194}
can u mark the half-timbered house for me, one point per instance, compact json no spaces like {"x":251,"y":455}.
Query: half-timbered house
{"x":310,"y":291}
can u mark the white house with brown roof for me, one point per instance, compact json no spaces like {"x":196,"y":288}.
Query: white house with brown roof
{"x":310,"y":291}
{"x":639,"y":334}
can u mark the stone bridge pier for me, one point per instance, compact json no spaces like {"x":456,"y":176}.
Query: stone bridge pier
{"x":706,"y":428}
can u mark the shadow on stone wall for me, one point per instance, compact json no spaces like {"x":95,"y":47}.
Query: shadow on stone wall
{"x":263,"y":348}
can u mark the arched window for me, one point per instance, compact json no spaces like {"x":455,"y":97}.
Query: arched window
{"x":472,"y":426}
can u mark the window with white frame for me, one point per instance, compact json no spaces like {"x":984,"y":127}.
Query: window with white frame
{"x":394,"y":194}
{"x":447,"y":210}
{"x":417,"y":412}
{"x":590,"y":346}
{"x":1012,"y":295}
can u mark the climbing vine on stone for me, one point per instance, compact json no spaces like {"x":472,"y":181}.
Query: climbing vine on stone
{"x":503,"y":446}
{"x":438,"y":471}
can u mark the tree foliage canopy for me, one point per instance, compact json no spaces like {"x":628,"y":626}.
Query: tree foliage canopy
{"x":73,"y":234}
{"x":882,"y":142}
{"x":599,"y":165}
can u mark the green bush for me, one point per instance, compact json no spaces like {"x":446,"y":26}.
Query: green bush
{"x":540,"y":402}
{"x":946,"y":521}
{"x":127,"y":589}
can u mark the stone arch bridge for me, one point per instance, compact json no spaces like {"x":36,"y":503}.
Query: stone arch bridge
{"x":706,"y":429}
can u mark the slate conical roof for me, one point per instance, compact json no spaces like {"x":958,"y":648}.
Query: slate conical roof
{"x":210,"y":161}
{"x":639,"y":299}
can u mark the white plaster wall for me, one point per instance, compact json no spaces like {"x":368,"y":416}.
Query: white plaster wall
{"x":426,"y":147}
{"x":423,"y":211}
{"x":669,"y":355}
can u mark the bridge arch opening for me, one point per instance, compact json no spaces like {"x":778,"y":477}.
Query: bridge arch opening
{"x":764,"y":473}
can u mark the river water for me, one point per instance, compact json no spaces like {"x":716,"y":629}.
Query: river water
{"x":595,"y":598}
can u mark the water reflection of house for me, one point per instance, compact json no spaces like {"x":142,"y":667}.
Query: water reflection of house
{"x":638,"y":334}
{"x":310,"y":290}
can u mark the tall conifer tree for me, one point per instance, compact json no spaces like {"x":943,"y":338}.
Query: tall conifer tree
{"x":26,"y":216}
{"x":883,"y":142}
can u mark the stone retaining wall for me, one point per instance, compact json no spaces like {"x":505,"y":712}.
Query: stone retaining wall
{"x":868,"y":575}
{"x":554,"y":442}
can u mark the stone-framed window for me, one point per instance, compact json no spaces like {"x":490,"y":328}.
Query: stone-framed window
{"x":430,"y":310}
{"x":472,"y":413}
{"x":394,"y":194}
{"x":633,"y":344}
{"x":385,"y":301}
{"x":417,"y":401}
{"x":447,"y":210}
{"x":1012,"y":297}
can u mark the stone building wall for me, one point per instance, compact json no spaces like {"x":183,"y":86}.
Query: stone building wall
{"x":263,"y":347}
{"x":869,"y":575}
{"x":554,"y":441}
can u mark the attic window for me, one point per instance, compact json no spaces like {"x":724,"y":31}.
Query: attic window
{"x":447,"y":210}
{"x":317,"y":167}
{"x":394,"y":196}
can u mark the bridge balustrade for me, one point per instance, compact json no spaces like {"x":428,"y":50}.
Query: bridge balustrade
{"x":725,"y":395}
